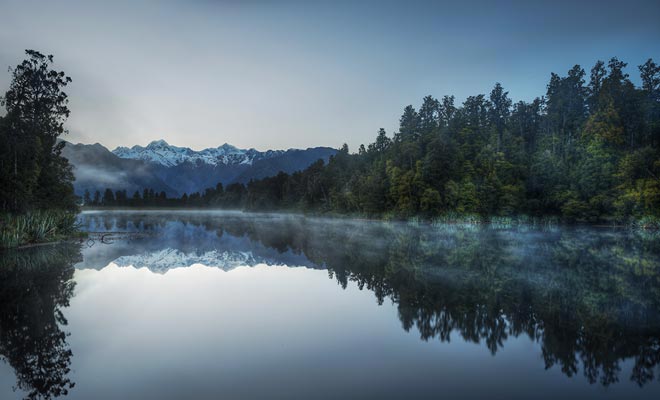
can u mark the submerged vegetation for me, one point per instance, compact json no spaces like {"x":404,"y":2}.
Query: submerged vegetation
{"x":37,"y":202}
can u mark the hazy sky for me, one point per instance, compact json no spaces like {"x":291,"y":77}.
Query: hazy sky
{"x":298,"y":74}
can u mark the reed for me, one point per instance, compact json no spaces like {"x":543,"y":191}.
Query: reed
{"x":36,"y":227}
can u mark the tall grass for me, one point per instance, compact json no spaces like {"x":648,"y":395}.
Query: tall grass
{"x":36,"y":227}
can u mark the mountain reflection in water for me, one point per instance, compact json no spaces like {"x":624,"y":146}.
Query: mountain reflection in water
{"x":590,"y":298}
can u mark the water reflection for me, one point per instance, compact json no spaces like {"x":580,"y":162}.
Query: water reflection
{"x":589,"y":297}
{"x":35,"y":285}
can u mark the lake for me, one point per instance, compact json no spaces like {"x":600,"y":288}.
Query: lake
{"x":186,"y":304}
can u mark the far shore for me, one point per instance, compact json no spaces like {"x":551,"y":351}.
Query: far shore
{"x":644,"y":223}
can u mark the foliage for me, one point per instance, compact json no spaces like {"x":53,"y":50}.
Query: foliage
{"x":36,"y":227}
{"x":33,"y":174}
{"x":36,"y":192}
{"x":583,"y":152}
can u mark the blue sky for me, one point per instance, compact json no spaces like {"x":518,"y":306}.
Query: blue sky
{"x":299,"y":74}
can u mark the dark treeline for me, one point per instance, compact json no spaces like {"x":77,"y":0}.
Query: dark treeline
{"x":589,"y":149}
{"x":37,"y":202}
{"x":33,"y":173}
{"x":231,"y":197}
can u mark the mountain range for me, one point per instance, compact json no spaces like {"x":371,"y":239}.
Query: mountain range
{"x":177,"y":170}
{"x":162,"y":153}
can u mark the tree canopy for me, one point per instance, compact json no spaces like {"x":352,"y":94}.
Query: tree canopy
{"x":583,"y":151}
{"x":33,"y":173}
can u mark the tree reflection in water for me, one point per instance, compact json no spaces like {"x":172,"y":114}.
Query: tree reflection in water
{"x":590,"y":297}
{"x":35,"y":284}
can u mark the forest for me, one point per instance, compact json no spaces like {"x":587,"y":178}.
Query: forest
{"x":587,"y":150}
{"x":37,"y":202}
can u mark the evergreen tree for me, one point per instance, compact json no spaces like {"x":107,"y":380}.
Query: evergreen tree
{"x":87,"y":198}
{"x":108,"y":197}
{"x":409,"y":125}
{"x":429,"y":114}
{"x":97,"y":198}
{"x":33,"y":172}
{"x":597,"y":76}
{"x":500,"y":106}
{"x":650,"y":74}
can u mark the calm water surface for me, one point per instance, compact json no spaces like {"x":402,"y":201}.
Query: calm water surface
{"x":231,"y":305}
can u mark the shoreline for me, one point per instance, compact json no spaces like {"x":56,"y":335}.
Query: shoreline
{"x":449,"y":219}
{"x":38,"y":227}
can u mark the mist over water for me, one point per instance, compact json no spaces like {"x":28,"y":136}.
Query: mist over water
{"x":172,"y":304}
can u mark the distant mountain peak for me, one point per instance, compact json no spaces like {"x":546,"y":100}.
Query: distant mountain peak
{"x":176,"y":170}
{"x":157,"y":144}
{"x":163,"y":153}
{"x":163,"y":260}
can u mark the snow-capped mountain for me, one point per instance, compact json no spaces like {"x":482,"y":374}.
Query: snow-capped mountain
{"x":163,"y":153}
{"x":166,"y":259}
{"x":177,"y":170}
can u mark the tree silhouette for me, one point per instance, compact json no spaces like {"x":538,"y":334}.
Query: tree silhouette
{"x":35,"y":284}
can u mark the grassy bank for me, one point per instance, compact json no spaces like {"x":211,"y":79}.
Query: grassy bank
{"x":36,"y":227}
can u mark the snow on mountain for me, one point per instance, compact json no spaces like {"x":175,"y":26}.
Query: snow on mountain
{"x":160,"y":152}
{"x":163,"y":260}
{"x":177,"y":170}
